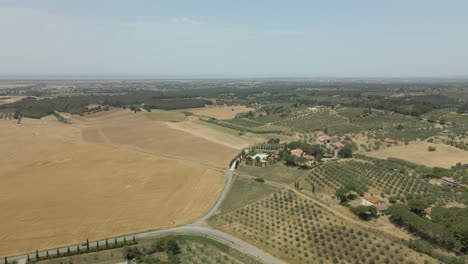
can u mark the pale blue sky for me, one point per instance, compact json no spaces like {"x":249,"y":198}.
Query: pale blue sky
{"x":235,"y":38}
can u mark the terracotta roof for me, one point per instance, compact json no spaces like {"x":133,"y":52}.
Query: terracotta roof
{"x":381,"y":206}
{"x":373,"y":199}
{"x":323,"y":138}
{"x":309,"y":157}
{"x":449,"y":179}
{"x":297,"y":152}
{"x":339,"y":145}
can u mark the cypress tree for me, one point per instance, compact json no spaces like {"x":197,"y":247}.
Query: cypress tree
{"x":78,"y":248}
{"x":47,"y":253}
{"x":97,"y":245}
{"x":58,"y":253}
{"x":28,"y":259}
{"x":6,"y":260}
{"x":37,"y":254}
{"x":107,"y":243}
{"x":134,"y":241}
{"x":68,"y":251}
{"x":125,"y":240}
{"x":115,"y":242}
{"x":87,"y":244}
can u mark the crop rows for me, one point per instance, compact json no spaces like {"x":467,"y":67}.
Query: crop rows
{"x":192,"y":252}
{"x":6,"y":115}
{"x":299,"y":231}
{"x":363,"y":176}
{"x":319,"y":121}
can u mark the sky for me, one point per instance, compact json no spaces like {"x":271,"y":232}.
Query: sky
{"x":242,"y":38}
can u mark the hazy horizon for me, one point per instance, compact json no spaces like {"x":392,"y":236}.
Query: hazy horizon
{"x":215,"y":39}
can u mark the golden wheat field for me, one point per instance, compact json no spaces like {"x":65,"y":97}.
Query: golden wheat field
{"x":104,"y":175}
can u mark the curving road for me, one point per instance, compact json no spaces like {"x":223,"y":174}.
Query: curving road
{"x":196,"y":227}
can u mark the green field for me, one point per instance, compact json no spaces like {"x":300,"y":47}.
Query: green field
{"x":276,"y":172}
{"x":244,"y":122}
{"x":166,"y":116}
{"x":351,"y":112}
{"x":244,"y":191}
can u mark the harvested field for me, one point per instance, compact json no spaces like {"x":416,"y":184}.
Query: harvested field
{"x":221,"y":112}
{"x":105,"y":175}
{"x":125,"y":129}
{"x":445,"y":156}
{"x":10,"y":99}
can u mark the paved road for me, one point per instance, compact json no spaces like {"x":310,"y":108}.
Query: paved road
{"x":193,"y":228}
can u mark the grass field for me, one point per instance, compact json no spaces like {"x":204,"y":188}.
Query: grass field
{"x":194,"y":249}
{"x":221,"y":112}
{"x":444,"y":156}
{"x":245,"y":122}
{"x":244,"y":191}
{"x":166,"y":116}
{"x":276,"y":172}
{"x":105,"y":174}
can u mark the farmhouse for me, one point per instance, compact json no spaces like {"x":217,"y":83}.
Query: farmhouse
{"x":338,"y":145}
{"x":310,"y":160}
{"x":381,"y":207}
{"x":297,"y":152}
{"x":449,"y":182}
{"x":391,"y":142}
{"x":323,"y":139}
{"x":372,"y":199}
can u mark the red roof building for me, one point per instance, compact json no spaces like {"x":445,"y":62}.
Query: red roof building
{"x":338,"y":145}
{"x":449,"y":181}
{"x":323,"y":138}
{"x":297,"y":152}
{"x":309,"y":157}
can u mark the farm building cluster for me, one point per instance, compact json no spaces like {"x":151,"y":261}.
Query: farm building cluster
{"x":380,"y":205}
{"x":268,"y":154}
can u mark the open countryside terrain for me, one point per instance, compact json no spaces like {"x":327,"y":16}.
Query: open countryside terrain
{"x":101,"y":176}
{"x":323,"y":175}
{"x":444,"y":156}
{"x":221,"y":112}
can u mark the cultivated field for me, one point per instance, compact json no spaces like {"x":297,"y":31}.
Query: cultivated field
{"x":298,"y":230}
{"x":444,"y":156}
{"x":106,"y":174}
{"x":221,"y":112}
{"x":127,"y":130}
{"x":10,"y":99}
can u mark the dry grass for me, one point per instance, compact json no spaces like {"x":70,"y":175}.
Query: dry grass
{"x":10,"y":99}
{"x":444,"y":156}
{"x":221,"y":112}
{"x":106,"y":174}
{"x":125,"y":129}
